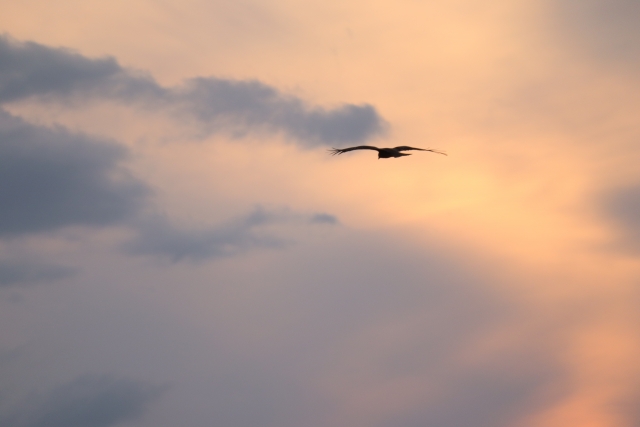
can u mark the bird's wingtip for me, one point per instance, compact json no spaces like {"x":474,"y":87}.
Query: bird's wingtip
{"x":438,"y":152}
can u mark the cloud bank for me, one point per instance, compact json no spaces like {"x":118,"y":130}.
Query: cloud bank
{"x":217,"y":105}
{"x":51,"y":178}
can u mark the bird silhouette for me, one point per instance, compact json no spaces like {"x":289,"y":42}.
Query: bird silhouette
{"x":385,"y":153}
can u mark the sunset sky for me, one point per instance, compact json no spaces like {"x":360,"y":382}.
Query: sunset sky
{"x":179,"y":248}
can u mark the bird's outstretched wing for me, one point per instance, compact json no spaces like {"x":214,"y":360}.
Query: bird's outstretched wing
{"x":407,"y":148}
{"x":335,"y":151}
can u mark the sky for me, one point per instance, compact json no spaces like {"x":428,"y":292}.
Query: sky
{"x":179,"y":248}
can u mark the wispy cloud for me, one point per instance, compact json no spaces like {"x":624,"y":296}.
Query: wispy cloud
{"x":158,"y":236}
{"x":323,"y":218}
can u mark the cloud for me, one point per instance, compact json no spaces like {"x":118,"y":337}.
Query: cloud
{"x":323,"y":218}
{"x":157,"y":236}
{"x":622,"y":207}
{"x":31,"y":69}
{"x":51,"y":178}
{"x":245,"y":106}
{"x":88,"y":401}
{"x":217,"y":105}
{"x":607,"y":30}
{"x":25,"y":272}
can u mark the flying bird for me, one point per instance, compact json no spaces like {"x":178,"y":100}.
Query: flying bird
{"x":385,"y":153}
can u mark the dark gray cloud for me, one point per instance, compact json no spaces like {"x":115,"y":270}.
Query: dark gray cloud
{"x":245,"y":106}
{"x":21,"y":272}
{"x":31,"y":69}
{"x":232,"y":106}
{"x":51,"y":178}
{"x":88,"y":401}
{"x":158,"y":236}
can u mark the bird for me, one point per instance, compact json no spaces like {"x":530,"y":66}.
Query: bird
{"x":385,"y":153}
